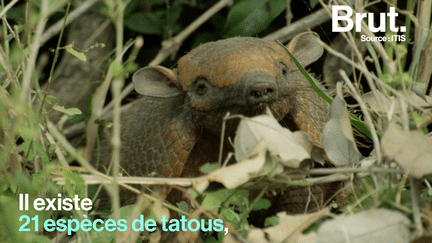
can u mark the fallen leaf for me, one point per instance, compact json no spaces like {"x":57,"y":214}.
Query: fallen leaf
{"x":290,"y":227}
{"x":425,"y":101}
{"x":410,"y":149}
{"x":338,"y":139}
{"x":233,"y":175}
{"x":380,"y":103}
{"x":256,"y":236}
{"x":292,"y":147}
{"x":229,"y":238}
{"x":372,"y":226}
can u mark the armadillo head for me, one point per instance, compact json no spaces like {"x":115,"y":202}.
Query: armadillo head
{"x":244,"y":76}
{"x":240,"y":75}
{"x":224,"y":63}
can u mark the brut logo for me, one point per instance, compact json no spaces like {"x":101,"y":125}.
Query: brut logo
{"x":359,"y":16}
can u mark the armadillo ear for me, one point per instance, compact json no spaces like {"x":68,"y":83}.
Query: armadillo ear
{"x":156,"y":81}
{"x":305,"y":48}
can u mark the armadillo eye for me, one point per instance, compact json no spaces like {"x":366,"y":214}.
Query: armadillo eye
{"x":201,"y":86}
{"x":283,"y":67}
{"x":201,"y":89}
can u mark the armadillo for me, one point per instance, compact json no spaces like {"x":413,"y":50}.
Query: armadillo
{"x":175,"y":127}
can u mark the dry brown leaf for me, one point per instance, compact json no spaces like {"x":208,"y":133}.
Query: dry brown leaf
{"x":413,"y":97}
{"x":381,"y":104}
{"x":256,"y":236}
{"x":229,"y":238}
{"x":233,"y":175}
{"x":372,"y":226}
{"x":410,"y":149}
{"x":293,"y":148}
{"x":290,"y":227}
{"x":338,"y":140}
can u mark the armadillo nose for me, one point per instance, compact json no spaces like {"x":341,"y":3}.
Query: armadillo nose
{"x":262,"y":92}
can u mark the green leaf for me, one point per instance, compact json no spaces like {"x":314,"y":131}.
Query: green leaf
{"x":313,"y":3}
{"x":17,"y":12}
{"x":230,"y":215}
{"x":38,"y":180}
{"x":249,"y":17}
{"x":27,"y":150}
{"x":261,"y":204}
{"x":79,"y":55}
{"x":214,"y":199}
{"x":40,"y":239}
{"x":360,"y":125}
{"x":211,"y":240}
{"x":69,"y":111}
{"x":9,"y":219}
{"x":271,"y":221}
{"x":208,"y":168}
{"x":74,"y":184}
{"x":240,"y":198}
{"x":78,"y":118}
{"x":183,"y":206}
{"x":40,"y":151}
{"x":23,"y":182}
{"x":172,"y":26}
{"x":142,"y":23}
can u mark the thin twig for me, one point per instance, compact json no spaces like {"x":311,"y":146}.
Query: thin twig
{"x":97,"y":105}
{"x":116,"y":86}
{"x":222,"y":138}
{"x":289,"y":15}
{"x":249,"y":209}
{"x":312,"y":20}
{"x":34,"y":50}
{"x":415,"y":195}
{"x":55,"y":58}
{"x":57,"y":150}
{"x":326,"y":171}
{"x":390,"y":64}
{"x":171,"y":46}
{"x":360,"y":68}
{"x":335,"y":174}
{"x":10,"y":5}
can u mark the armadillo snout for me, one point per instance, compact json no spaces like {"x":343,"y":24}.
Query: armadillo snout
{"x":260,"y":88}
{"x":261,"y":93}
